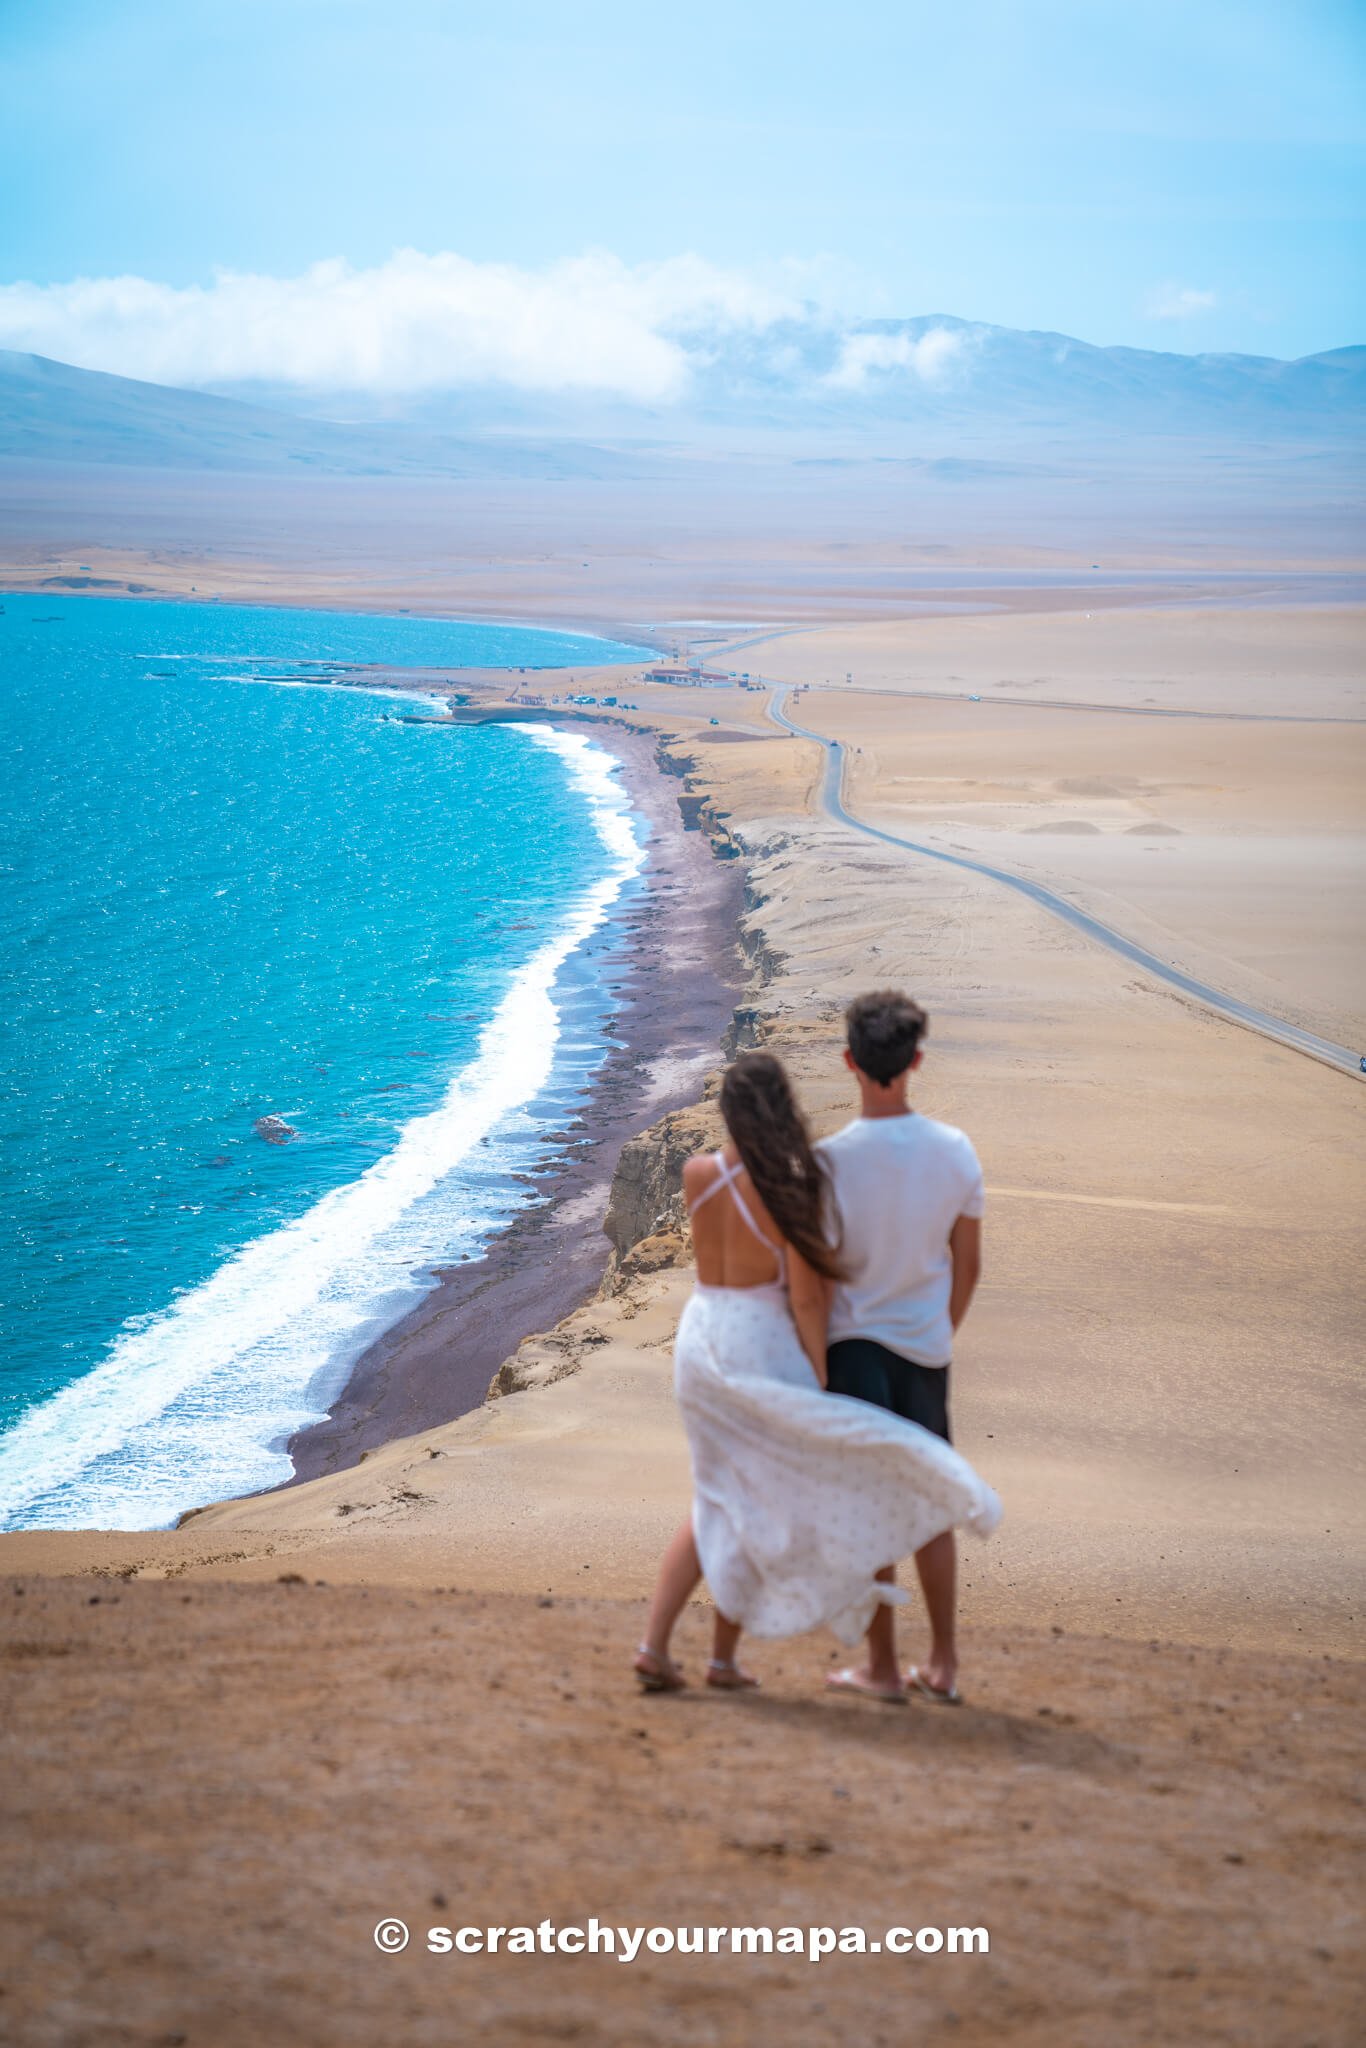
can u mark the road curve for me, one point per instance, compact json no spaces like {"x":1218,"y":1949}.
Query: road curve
{"x":1230,"y":1007}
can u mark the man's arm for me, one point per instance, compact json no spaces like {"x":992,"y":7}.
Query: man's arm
{"x":965,"y":1249}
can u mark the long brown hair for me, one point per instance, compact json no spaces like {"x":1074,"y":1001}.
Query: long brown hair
{"x":771,"y":1137}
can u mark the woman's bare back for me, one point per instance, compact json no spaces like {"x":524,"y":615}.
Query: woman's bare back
{"x":730,"y":1251}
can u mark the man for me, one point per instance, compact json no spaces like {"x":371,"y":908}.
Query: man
{"x":908,"y":1197}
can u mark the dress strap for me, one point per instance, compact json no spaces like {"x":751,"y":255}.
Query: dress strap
{"x":747,"y":1216}
{"x":725,"y":1176}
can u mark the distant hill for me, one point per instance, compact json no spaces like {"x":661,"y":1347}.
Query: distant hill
{"x":52,"y":412}
{"x":1053,"y":380}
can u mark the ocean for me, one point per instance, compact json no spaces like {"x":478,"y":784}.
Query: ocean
{"x":296,"y":992}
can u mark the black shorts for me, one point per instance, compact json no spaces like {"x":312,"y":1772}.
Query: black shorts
{"x":868,"y":1371}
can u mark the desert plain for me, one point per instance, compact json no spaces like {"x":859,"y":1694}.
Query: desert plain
{"x":403,"y":1687}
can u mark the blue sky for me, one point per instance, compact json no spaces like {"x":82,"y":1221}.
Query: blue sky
{"x":1172,"y":176}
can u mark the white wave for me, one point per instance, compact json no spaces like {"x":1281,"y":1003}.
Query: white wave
{"x":344,"y":689}
{"x":193,"y":1402}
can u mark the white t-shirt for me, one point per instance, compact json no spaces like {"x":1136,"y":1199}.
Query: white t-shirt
{"x":900,"y":1184}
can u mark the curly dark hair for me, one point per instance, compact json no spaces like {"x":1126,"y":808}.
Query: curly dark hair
{"x":775,"y":1150}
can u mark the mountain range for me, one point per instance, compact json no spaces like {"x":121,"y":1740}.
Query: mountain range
{"x":947,"y":392}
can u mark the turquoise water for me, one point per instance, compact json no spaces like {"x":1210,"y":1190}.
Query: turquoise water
{"x":228,"y":899}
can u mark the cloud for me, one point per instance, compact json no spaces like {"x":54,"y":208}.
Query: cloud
{"x":590,"y":323}
{"x":931,"y":358}
{"x":1179,"y":302}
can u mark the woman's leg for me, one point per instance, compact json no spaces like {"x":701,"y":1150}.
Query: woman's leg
{"x":725,"y":1674}
{"x":725,"y":1638}
{"x":679,"y":1573}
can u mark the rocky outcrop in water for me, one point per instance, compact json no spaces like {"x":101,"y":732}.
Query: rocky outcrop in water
{"x":274,"y":1130}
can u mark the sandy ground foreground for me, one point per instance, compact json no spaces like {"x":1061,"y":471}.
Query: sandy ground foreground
{"x":1161,"y":1376}
{"x":1160,"y":1842}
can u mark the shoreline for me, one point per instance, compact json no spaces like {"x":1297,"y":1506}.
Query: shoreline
{"x":655,"y":983}
{"x":673,"y":950}
{"x":651,"y":638}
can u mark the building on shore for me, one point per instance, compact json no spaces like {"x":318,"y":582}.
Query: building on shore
{"x":698,"y":678}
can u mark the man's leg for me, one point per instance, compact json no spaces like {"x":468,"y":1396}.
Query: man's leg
{"x":937,"y":1565}
{"x":858,"y":1368}
{"x":881,"y":1667}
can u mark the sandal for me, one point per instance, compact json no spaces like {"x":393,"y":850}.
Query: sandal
{"x":853,"y":1680}
{"x":726,"y":1676}
{"x":665,"y":1675}
{"x":917,"y":1683}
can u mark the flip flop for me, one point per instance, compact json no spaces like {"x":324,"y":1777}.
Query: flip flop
{"x":853,"y":1680}
{"x":919,"y":1685}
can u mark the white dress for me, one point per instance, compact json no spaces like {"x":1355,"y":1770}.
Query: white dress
{"x":799,"y":1496}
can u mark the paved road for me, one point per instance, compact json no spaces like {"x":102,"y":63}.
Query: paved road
{"x":1238,"y":1012}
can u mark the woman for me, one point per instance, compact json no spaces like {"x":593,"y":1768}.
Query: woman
{"x":799,"y":1496}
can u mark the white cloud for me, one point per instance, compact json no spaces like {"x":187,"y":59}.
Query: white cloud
{"x":1179,"y":302}
{"x":932,"y":358}
{"x":415,"y":323}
